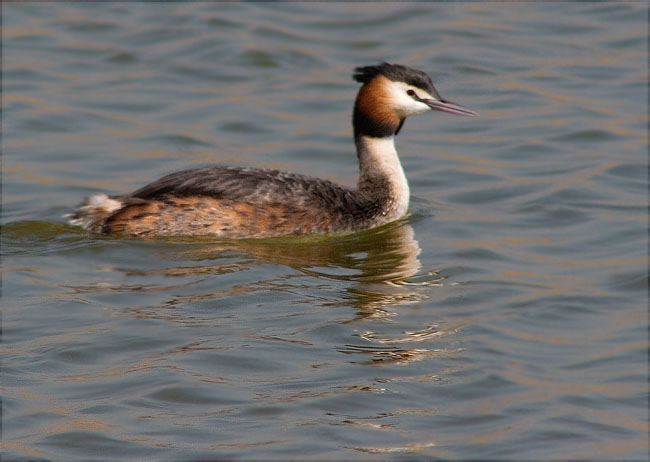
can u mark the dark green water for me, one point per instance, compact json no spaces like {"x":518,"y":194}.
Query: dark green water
{"x":506,"y":318}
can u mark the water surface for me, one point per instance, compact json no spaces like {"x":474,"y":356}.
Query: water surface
{"x":505,"y":318}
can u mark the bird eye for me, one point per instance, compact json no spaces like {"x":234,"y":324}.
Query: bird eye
{"x":410,"y":92}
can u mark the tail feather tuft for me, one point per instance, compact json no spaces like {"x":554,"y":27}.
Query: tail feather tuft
{"x":94,"y":211}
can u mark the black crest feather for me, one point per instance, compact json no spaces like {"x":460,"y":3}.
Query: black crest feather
{"x":396,"y":73}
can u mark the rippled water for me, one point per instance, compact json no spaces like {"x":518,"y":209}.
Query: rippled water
{"x":505,"y":318}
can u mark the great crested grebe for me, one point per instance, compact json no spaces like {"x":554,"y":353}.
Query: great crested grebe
{"x":240,"y":203}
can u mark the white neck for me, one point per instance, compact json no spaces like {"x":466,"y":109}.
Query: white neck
{"x":381,"y":175}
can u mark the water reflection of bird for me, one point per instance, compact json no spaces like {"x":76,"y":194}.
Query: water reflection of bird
{"x":377,"y":273}
{"x":254,"y":203}
{"x":388,"y":254}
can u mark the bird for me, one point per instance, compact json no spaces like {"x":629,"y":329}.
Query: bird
{"x":251,"y":203}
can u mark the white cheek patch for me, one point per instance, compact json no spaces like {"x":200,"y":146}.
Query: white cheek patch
{"x":404,"y":104}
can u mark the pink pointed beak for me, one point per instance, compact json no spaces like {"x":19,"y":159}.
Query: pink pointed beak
{"x":448,"y":106}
